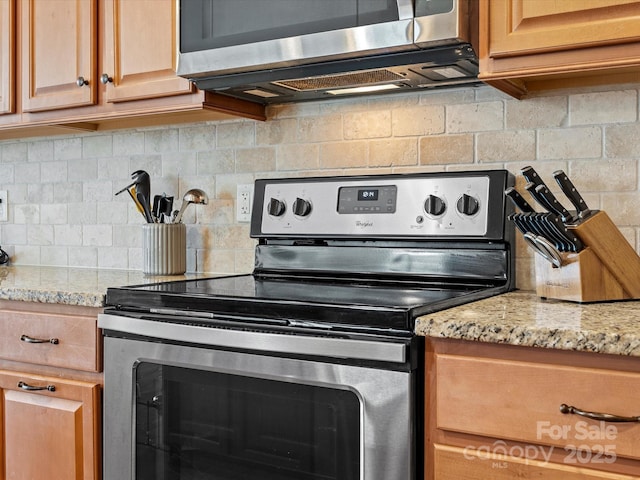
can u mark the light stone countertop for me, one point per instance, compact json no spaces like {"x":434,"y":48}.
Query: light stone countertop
{"x":522,"y":318}
{"x":71,"y":286}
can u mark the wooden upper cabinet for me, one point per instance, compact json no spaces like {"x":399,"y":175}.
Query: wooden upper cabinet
{"x":139,"y":50}
{"x":530,"y":45}
{"x":7,"y":56}
{"x":58,"y":53}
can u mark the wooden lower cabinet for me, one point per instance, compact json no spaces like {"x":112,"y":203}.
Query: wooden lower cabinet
{"x":50,"y":433}
{"x":50,"y":392}
{"x":495,"y":411}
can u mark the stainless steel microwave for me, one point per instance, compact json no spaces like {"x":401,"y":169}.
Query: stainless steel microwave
{"x":289,"y":50}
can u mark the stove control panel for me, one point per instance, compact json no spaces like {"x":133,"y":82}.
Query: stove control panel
{"x":457,"y":204}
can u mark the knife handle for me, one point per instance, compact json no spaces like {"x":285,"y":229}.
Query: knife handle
{"x":553,"y":204}
{"x":531,"y":176}
{"x":571,"y":192}
{"x":531,"y":188}
{"x":518,"y":200}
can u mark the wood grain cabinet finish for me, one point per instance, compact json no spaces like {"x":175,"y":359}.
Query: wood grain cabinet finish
{"x":66,"y":341}
{"x":7,"y":56}
{"x":58,"y":50}
{"x":494,"y":411}
{"x":528,"y":45}
{"x":88,"y":65}
{"x":50,"y":433}
{"x":50,"y":391}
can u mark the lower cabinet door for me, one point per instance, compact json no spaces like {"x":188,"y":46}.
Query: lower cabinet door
{"x":51,"y":428}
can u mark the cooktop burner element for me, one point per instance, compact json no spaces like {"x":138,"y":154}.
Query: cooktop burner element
{"x":368,"y":252}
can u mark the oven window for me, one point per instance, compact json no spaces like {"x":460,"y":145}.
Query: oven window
{"x":193,"y":424}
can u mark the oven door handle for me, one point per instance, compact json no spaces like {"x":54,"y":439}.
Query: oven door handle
{"x":394,"y":352}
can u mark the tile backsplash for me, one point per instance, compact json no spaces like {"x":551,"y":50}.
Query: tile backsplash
{"x":63,"y":211}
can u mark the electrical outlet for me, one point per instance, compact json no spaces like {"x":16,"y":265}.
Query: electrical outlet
{"x":4,"y":206}
{"x":243,"y":202}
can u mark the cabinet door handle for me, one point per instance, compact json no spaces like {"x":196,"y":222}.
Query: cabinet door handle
{"x":605,"y":417}
{"x":28,"y":339}
{"x":81,"y":82}
{"x":105,"y":78}
{"x":31,"y":388}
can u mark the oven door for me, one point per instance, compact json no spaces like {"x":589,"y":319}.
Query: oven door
{"x":208,"y":409}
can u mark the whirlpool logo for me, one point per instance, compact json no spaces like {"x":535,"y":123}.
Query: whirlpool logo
{"x":361,"y":224}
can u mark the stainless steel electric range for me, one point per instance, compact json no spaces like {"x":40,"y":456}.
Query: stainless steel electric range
{"x":307,"y":368}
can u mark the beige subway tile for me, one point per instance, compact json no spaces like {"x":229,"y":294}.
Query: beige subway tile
{"x":40,"y":234}
{"x":54,"y":256}
{"x":370,"y":124}
{"x":445,"y":149}
{"x":506,"y":146}
{"x":273,"y":132}
{"x":97,"y":146}
{"x":447,"y":97}
{"x":427,"y":120}
{"x":475,"y":117}
{"x":54,"y":171}
{"x":237,"y":134}
{"x":545,"y":112}
{"x":197,"y":137}
{"x":232,"y":236}
{"x":604,"y":175}
{"x":603,"y":107}
{"x":623,"y":208}
{"x":297,"y":157}
{"x":344,"y":154}
{"x":110,"y":257}
{"x":393,"y":152}
{"x":161,"y":141}
{"x":320,"y":129}
{"x":255,"y":159}
{"x":622,"y":140}
{"x":66,"y":148}
{"x":221,"y":160}
{"x":569,"y":143}
{"x":88,"y":257}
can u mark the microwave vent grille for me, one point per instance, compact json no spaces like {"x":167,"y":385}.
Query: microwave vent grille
{"x":351,"y":79}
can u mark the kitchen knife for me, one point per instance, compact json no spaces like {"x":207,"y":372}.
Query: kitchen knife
{"x":518,"y":200}
{"x":553,"y":205}
{"x":575,"y":244}
{"x":571,"y":192}
{"x":531,"y":176}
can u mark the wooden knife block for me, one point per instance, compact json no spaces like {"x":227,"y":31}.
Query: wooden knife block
{"x":607,"y":269}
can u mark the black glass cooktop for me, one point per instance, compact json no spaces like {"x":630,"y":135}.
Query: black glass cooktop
{"x":386,"y":305}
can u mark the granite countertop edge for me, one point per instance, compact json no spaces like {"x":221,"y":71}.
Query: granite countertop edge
{"x":524,"y":319}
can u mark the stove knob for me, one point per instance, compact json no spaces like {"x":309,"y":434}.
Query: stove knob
{"x":434,"y":205}
{"x":276,"y":207}
{"x":468,"y":205}
{"x":301,"y":207}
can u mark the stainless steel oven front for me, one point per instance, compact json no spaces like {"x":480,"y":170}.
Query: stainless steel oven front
{"x":229,"y":404}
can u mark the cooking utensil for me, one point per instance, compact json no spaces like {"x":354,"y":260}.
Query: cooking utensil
{"x":545,"y":248}
{"x":555,"y":206}
{"x":518,"y":200}
{"x":142,"y":184}
{"x":571,"y":192}
{"x":131,"y":190}
{"x":195,"y":195}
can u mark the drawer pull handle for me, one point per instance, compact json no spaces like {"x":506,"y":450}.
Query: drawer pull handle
{"x":605,"y":417}
{"x":28,"y":339}
{"x":31,"y":388}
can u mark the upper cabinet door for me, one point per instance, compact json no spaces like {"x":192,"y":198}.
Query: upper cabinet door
{"x":139,"y":53}
{"x":534,"y":26}
{"x":7,"y":55}
{"x":58,"y":54}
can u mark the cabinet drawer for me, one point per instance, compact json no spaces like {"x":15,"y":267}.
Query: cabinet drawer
{"x":454,"y":463}
{"x":520,"y":401}
{"x":68,"y":341}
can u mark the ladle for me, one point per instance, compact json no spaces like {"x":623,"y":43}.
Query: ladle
{"x":195,"y":195}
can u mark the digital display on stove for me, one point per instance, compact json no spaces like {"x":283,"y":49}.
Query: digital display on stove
{"x":368,"y":195}
{"x":371,"y":199}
